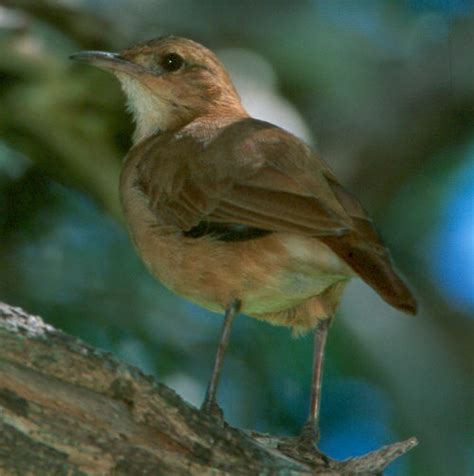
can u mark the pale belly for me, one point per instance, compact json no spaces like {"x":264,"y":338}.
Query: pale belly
{"x":267,"y":274}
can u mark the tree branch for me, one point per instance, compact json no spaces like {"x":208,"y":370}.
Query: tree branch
{"x":66,"y":408}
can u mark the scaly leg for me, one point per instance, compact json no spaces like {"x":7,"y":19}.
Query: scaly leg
{"x":310,"y":432}
{"x":303,"y":448}
{"x":210,"y":404}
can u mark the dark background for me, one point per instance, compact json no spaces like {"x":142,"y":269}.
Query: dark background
{"x":384,"y":89}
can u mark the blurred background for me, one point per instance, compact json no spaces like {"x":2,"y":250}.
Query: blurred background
{"x":383,"y":89}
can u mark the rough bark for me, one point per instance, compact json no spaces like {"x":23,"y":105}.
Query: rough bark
{"x":69,"y":409}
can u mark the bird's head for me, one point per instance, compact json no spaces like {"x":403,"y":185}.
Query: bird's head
{"x":169,"y":82}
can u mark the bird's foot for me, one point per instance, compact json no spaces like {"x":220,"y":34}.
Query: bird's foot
{"x":212,"y":408}
{"x":303,"y":447}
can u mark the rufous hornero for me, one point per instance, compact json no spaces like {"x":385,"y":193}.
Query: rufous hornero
{"x":234,"y":213}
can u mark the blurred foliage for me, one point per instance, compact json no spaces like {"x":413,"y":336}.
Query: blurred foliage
{"x":387,"y":88}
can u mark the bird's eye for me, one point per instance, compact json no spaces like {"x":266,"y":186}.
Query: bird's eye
{"x":172,"y":62}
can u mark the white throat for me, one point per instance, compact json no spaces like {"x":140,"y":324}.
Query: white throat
{"x":150,"y":113}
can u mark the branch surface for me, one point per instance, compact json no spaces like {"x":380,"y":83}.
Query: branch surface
{"x":67,"y":408}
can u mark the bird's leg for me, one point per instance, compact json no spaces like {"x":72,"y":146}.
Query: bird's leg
{"x":310,"y":432}
{"x":303,"y":448}
{"x":210,"y":404}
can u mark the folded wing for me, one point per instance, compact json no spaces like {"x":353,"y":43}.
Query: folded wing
{"x":253,"y":173}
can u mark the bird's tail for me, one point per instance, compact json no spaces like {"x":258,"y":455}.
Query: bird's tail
{"x":373,"y":264}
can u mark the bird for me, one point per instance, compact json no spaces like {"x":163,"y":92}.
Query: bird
{"x":234,"y":213}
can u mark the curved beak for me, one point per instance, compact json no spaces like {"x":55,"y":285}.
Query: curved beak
{"x":108,"y":61}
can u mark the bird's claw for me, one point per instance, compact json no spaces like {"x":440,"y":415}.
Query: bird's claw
{"x":212,"y":409}
{"x":303,"y":447}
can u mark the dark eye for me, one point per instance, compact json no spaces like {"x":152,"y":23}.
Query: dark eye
{"x":172,"y":62}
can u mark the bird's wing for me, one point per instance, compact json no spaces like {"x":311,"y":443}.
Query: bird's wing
{"x":256,"y":174}
{"x":252,"y":174}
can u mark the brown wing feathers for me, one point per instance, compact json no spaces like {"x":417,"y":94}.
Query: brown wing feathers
{"x":278,"y":188}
